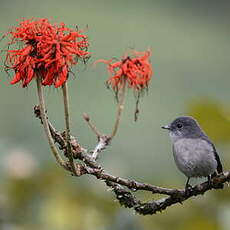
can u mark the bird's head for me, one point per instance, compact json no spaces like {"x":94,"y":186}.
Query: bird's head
{"x":183,"y":127}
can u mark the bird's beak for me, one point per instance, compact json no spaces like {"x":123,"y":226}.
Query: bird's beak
{"x":166,"y":127}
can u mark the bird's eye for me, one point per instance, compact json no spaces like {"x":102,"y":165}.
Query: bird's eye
{"x":179,"y":126}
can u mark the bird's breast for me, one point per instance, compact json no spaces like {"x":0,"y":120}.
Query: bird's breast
{"x":194,"y":157}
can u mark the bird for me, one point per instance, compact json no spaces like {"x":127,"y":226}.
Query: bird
{"x":194,"y":153}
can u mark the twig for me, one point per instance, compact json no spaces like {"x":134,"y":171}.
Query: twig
{"x":120,"y":107}
{"x":67,"y":124}
{"x":103,"y":142}
{"x":45,"y":124}
{"x":91,"y":125}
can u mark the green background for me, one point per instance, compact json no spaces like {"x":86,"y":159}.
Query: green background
{"x":190,"y":57}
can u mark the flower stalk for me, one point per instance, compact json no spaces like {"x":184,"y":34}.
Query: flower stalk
{"x":45,"y":123}
{"x":120,"y":107}
{"x":67,"y":125}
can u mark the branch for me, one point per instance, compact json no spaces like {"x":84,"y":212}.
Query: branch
{"x":81,"y":154}
{"x":127,"y":199}
{"x":125,"y":196}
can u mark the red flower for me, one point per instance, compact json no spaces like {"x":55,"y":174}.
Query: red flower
{"x":136,"y":71}
{"x":49,"y":50}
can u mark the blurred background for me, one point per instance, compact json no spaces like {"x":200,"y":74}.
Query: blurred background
{"x":190,"y":56}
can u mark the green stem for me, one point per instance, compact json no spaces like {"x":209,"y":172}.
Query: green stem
{"x":120,"y":107}
{"x":67,"y":125}
{"x":46,"y":125}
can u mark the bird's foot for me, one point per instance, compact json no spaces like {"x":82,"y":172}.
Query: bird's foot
{"x":188,"y":189}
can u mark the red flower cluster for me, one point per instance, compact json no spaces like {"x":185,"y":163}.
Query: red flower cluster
{"x":136,"y":71}
{"x":48,"y":51}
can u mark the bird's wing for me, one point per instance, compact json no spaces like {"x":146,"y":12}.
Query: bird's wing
{"x":219,"y":165}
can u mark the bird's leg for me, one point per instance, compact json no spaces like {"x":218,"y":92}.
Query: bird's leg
{"x":187,"y":184}
{"x":210,"y":181}
{"x":188,"y":187}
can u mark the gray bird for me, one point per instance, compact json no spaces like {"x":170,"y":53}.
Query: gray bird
{"x":195,"y":155}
